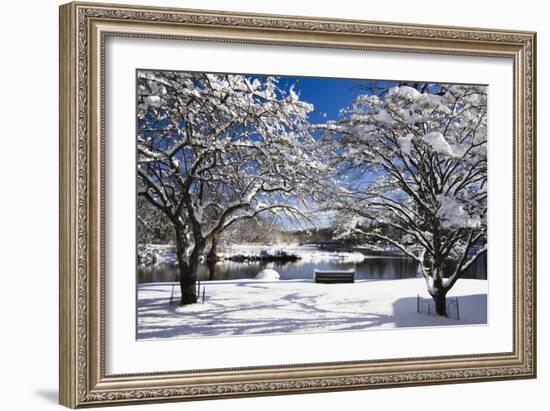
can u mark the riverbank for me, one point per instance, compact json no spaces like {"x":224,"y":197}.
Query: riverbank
{"x":163,"y":254}
{"x":251,"y":307}
{"x":304,"y":253}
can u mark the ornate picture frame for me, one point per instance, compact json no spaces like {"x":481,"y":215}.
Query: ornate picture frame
{"x":84,"y":30}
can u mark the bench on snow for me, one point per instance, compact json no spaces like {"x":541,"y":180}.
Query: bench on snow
{"x":333,"y":276}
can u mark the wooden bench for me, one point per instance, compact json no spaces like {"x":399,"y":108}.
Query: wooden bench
{"x":333,"y":276}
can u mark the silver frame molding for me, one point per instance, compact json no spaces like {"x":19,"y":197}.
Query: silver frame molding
{"x":83,"y":30}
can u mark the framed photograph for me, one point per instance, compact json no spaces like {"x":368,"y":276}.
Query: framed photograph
{"x":259,"y":204}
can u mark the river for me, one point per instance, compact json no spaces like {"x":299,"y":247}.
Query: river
{"x":370,"y":268}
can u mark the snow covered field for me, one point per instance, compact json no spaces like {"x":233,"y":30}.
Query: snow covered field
{"x":245,"y":307}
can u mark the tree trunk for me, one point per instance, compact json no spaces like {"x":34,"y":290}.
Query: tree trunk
{"x":188,"y":280}
{"x":439,"y":295}
{"x":212,"y":259}
{"x":187,"y":271}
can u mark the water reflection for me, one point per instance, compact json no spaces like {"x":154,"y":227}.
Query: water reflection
{"x":371,"y":268}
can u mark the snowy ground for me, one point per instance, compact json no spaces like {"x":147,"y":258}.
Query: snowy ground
{"x":246,"y":307}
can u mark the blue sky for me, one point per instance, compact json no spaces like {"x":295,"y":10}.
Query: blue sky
{"x":328,"y":95}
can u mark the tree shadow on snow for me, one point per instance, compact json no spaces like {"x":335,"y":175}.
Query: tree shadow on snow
{"x":256,"y":318}
{"x":472,"y":308}
{"x":249,"y":319}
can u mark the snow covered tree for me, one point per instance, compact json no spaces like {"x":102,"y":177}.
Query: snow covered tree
{"x":215,"y":149}
{"x":152,"y":225}
{"x":412,"y":164}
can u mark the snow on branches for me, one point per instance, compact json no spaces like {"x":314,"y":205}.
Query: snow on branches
{"x":214,"y":149}
{"x":412,"y":162}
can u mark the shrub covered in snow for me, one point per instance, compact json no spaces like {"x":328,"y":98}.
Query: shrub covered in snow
{"x":267,"y":274}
